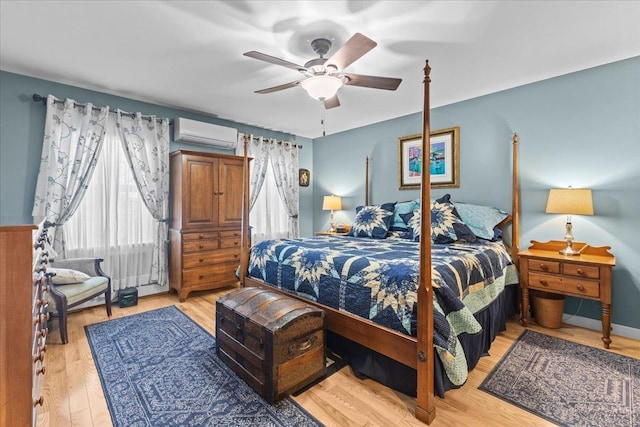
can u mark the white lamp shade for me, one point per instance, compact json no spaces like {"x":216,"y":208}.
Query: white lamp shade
{"x":322,"y":87}
{"x":332,"y":203}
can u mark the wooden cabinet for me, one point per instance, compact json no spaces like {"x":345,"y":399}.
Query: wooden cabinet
{"x":23,"y":327}
{"x":206,"y":219}
{"x":586,"y":276}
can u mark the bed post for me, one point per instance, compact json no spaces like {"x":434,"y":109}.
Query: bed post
{"x":425,"y":401}
{"x":366,"y":181}
{"x":245,"y":237}
{"x":515,"y":208}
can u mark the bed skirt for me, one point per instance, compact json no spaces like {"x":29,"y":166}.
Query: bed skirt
{"x":367,"y":363}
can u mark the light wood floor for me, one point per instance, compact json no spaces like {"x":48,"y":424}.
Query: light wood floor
{"x":73,"y":395}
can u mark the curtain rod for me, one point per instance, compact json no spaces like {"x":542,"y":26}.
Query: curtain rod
{"x":256,"y":138}
{"x":39,"y":98}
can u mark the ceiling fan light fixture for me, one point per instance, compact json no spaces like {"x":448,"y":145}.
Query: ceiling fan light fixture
{"x":322,"y":87}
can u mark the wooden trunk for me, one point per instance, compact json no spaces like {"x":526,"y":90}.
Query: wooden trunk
{"x":274,"y":342}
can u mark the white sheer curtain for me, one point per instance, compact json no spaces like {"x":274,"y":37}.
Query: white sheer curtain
{"x":113,"y":222}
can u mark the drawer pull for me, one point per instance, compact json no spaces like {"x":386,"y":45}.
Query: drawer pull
{"x":39,"y":357}
{"x":200,"y":259}
{"x":580,"y":288}
{"x":200,"y":246}
{"x":580,"y":271}
{"x":221,"y":193}
{"x":235,"y":255}
{"x":201,"y":236}
{"x":544,"y":283}
{"x":201,"y":276}
{"x":41,"y":371}
{"x":38,"y":402}
{"x":544,"y":267}
{"x":236,"y":243}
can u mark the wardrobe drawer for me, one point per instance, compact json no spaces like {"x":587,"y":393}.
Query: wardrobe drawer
{"x":209,"y":258}
{"x":233,"y":242}
{"x":231,"y":233}
{"x":205,"y":235}
{"x":221,"y":273}
{"x":199,"y":245}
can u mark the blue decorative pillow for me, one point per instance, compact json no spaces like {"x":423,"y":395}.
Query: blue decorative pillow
{"x":480,"y":219}
{"x":403,"y":208}
{"x":372,"y":221}
{"x":446,"y":226}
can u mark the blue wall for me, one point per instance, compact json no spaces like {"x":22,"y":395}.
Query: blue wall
{"x":580,"y":129}
{"x":22,"y":127}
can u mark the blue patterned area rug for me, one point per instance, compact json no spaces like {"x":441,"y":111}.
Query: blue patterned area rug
{"x":567,"y":383}
{"x":159,"y":368}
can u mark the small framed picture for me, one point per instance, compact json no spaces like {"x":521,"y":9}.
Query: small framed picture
{"x":304,"y":177}
{"x":443,"y":164}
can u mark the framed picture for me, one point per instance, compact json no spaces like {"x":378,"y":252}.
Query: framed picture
{"x":444,"y":159}
{"x":304,"y":177}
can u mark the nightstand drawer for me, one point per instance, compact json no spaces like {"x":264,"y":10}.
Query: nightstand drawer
{"x":565,"y":285}
{"x":580,"y":270}
{"x":542,"y":265}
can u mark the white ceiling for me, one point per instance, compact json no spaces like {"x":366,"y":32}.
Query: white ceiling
{"x":188,"y":54}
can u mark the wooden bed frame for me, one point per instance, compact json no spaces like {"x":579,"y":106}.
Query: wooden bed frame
{"x":415,"y":352}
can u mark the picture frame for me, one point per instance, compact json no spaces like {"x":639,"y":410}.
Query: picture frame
{"x":304,"y":177}
{"x":444,"y":158}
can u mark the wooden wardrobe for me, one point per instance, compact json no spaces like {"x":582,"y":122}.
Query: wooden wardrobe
{"x":206,"y":219}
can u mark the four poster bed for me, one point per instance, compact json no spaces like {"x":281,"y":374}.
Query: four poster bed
{"x":392,"y":300}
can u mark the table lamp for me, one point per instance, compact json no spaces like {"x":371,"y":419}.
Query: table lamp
{"x":570,"y":201}
{"x":331,"y":203}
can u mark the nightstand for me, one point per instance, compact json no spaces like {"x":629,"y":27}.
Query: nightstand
{"x":587,"y":275}
{"x":330,"y":233}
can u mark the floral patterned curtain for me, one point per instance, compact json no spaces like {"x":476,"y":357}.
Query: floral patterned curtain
{"x":285,"y":162}
{"x":73,"y":138}
{"x":146,"y":145}
{"x":259,"y":150}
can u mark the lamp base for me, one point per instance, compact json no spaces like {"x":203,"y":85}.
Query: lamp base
{"x":569,"y":251}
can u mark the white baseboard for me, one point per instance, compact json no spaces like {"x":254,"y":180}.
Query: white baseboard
{"x":143,"y":291}
{"x":585,"y":322}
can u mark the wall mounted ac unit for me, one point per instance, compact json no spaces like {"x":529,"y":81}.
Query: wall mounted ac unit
{"x":201,"y":133}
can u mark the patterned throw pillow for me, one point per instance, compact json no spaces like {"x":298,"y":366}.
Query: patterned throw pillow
{"x":481,"y":219}
{"x":372,"y":221}
{"x":446,"y":225}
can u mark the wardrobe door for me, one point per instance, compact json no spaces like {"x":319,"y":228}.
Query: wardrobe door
{"x":199,"y":195}
{"x":230,"y":192}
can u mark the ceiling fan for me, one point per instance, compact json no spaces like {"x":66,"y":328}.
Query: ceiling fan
{"x":324,"y":76}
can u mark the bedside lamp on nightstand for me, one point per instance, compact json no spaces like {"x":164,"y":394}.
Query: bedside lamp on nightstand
{"x":570,"y":201}
{"x":332,"y":203}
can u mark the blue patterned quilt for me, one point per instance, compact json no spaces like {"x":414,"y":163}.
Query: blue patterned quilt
{"x":377,"y":280}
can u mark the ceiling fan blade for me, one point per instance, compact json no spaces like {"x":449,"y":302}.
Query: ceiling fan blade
{"x":280,"y":87}
{"x":332,"y":102}
{"x":375,"y":82}
{"x":273,"y":60}
{"x":352,"y":50}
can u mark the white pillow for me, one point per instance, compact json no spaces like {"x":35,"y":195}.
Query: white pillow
{"x":64,"y":276}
